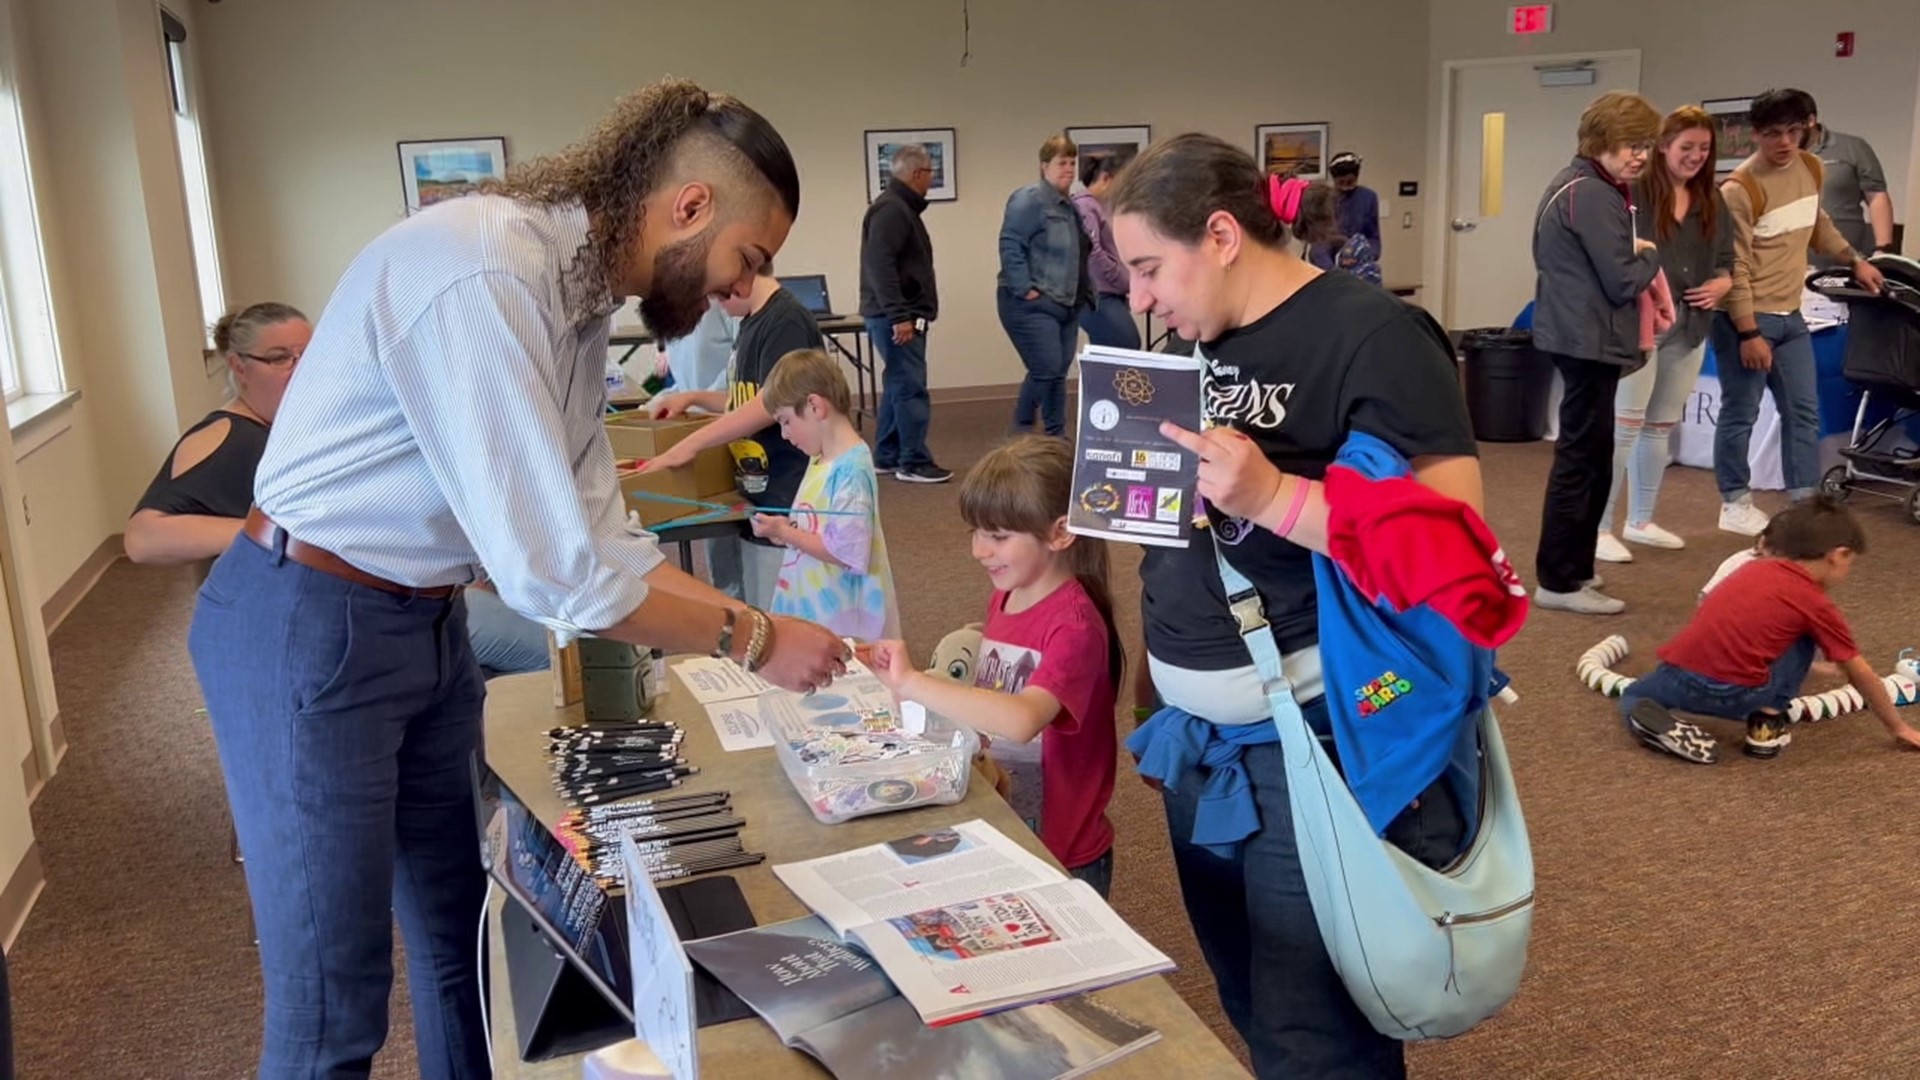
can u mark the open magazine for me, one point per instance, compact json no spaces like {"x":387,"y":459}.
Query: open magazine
{"x":966,"y":922}
{"x":831,"y":1001}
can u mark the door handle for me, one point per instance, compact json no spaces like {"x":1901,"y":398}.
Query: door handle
{"x":1463,"y":225}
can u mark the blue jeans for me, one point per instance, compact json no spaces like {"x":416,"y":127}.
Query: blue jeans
{"x":346,"y":718}
{"x":1111,"y":323}
{"x":1680,"y":689}
{"x":1795,"y":382}
{"x":1257,"y":930}
{"x":905,"y":411}
{"x":505,"y":642}
{"x":1044,"y":333}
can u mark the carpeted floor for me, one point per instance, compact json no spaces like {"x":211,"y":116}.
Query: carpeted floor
{"x":1744,"y":920}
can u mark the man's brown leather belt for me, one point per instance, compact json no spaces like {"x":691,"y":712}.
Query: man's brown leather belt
{"x":260,"y":529}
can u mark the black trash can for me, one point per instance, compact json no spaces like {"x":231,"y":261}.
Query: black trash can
{"x":1508,"y":383}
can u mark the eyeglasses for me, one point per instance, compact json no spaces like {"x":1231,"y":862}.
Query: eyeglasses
{"x":277,"y":361}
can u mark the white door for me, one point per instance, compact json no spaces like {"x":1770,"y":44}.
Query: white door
{"x":1490,"y":257}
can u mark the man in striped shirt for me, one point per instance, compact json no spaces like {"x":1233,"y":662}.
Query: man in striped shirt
{"x":449,"y":418}
{"x":1760,"y":342}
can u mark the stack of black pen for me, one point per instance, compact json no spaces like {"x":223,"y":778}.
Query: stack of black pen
{"x":678,"y":836}
{"x":599,"y":763}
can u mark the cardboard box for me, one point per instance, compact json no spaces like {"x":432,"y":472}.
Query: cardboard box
{"x":635,"y":435}
{"x":713,"y":475}
{"x":675,"y":482}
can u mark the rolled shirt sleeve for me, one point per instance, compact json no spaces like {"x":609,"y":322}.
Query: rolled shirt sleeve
{"x":546,"y":519}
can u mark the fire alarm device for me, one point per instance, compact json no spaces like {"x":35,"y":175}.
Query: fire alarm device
{"x":1843,"y":44}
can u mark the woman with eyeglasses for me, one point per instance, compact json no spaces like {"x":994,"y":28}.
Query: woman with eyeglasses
{"x":1591,"y":270}
{"x":197,"y":502}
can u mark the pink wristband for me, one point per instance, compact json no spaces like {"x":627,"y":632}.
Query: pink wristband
{"x":1300,"y":486}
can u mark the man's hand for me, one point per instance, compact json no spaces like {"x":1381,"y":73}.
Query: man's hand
{"x":1756,"y":354}
{"x":903,"y":332}
{"x":1641,"y":243}
{"x":1707,"y":297}
{"x":677,"y":456}
{"x":1032,"y":294}
{"x":669,"y":406}
{"x":771,"y":527}
{"x":1234,"y":475}
{"x":660,"y":365}
{"x":1869,"y":275}
{"x":803,"y":657}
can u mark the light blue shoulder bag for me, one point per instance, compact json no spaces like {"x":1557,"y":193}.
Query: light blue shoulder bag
{"x":1425,"y":953}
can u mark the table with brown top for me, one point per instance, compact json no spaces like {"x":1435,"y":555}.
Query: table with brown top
{"x":520,"y":710}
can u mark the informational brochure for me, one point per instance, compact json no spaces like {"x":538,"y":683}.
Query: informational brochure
{"x":1129,"y":481}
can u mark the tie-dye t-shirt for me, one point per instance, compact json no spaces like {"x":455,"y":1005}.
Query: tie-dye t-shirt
{"x":854,"y":600}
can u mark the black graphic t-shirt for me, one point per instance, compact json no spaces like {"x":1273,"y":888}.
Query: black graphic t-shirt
{"x":767,"y":467}
{"x":1338,"y":356}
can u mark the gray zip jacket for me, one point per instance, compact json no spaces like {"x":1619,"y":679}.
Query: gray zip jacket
{"x":1588,"y":279}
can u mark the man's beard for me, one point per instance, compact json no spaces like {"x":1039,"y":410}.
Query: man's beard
{"x":678,"y":296}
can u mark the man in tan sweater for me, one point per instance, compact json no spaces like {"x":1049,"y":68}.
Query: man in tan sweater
{"x":1774,"y":199}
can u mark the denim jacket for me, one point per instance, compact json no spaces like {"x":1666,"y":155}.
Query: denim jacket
{"x":1040,"y":245}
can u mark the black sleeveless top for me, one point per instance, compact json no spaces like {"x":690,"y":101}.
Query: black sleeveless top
{"x":219,"y":486}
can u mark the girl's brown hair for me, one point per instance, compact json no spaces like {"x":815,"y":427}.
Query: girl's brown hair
{"x":1026,"y":487}
{"x":1700,"y":191}
{"x":1318,"y":222}
{"x":1178,"y":184}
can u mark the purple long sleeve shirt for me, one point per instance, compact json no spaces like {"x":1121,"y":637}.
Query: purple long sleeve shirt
{"x":1103,"y":263}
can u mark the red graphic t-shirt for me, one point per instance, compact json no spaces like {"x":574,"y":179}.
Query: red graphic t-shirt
{"x":1060,"y":646}
{"x":1754,"y":616}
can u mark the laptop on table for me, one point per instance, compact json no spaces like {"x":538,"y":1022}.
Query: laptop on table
{"x":811,"y":291}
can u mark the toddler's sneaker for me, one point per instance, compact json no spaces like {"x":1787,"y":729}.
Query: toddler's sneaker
{"x":1660,"y":730}
{"x":1767,"y":735}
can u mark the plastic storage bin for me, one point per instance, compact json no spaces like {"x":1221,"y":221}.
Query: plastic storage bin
{"x":847,"y":752}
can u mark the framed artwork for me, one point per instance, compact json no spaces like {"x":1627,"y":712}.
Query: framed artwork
{"x":1732,"y":131}
{"x":1119,"y":143}
{"x":1292,"y":149}
{"x":939,"y":142}
{"x":436,"y":169}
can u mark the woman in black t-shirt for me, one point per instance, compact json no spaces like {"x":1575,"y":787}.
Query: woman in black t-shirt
{"x":197,"y":502}
{"x":1296,"y":361}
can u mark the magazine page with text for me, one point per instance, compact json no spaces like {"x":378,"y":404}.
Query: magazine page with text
{"x":925,"y":870}
{"x":962,"y":959}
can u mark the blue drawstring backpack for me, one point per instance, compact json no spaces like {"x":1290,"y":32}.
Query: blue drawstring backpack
{"x":1425,"y":953}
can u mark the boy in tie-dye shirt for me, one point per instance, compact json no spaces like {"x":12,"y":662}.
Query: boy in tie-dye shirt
{"x":835,"y":572}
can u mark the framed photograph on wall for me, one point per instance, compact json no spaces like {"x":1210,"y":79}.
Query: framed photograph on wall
{"x":1292,"y":149}
{"x":939,"y":142}
{"x":1118,"y":143}
{"x":1732,"y":131}
{"x":436,"y":169}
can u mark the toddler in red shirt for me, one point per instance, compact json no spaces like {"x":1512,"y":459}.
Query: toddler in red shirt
{"x":1752,"y":640}
{"x":1050,"y":661}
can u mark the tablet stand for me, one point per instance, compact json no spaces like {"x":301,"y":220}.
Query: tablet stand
{"x":555,"y":1009}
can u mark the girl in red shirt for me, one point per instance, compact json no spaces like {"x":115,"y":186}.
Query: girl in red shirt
{"x":1051,"y":660}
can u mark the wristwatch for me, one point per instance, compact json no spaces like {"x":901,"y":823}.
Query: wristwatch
{"x":723,"y":649}
{"x":1749,"y":335}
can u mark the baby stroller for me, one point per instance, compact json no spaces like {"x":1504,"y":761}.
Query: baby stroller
{"x":1883,"y":359}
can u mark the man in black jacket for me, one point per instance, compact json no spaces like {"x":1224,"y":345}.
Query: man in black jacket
{"x":899,"y":302}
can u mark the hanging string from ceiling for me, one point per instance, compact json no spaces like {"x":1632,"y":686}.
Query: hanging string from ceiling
{"x":966,"y":31}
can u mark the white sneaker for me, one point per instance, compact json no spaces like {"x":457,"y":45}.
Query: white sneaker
{"x":1610,"y":549}
{"x":1651,"y":535}
{"x":1587,"y":601}
{"x":1742,"y":517}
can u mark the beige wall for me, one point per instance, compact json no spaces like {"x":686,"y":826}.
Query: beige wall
{"x":1694,"y":51}
{"x":308,"y":100}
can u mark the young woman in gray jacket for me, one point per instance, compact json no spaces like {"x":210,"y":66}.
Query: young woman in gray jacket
{"x":1682,"y":212}
{"x":1591,"y":270}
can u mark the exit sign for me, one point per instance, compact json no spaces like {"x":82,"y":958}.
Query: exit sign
{"x":1530,"y":19}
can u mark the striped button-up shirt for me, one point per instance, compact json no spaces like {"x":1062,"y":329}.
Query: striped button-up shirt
{"x":448,"y":416}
